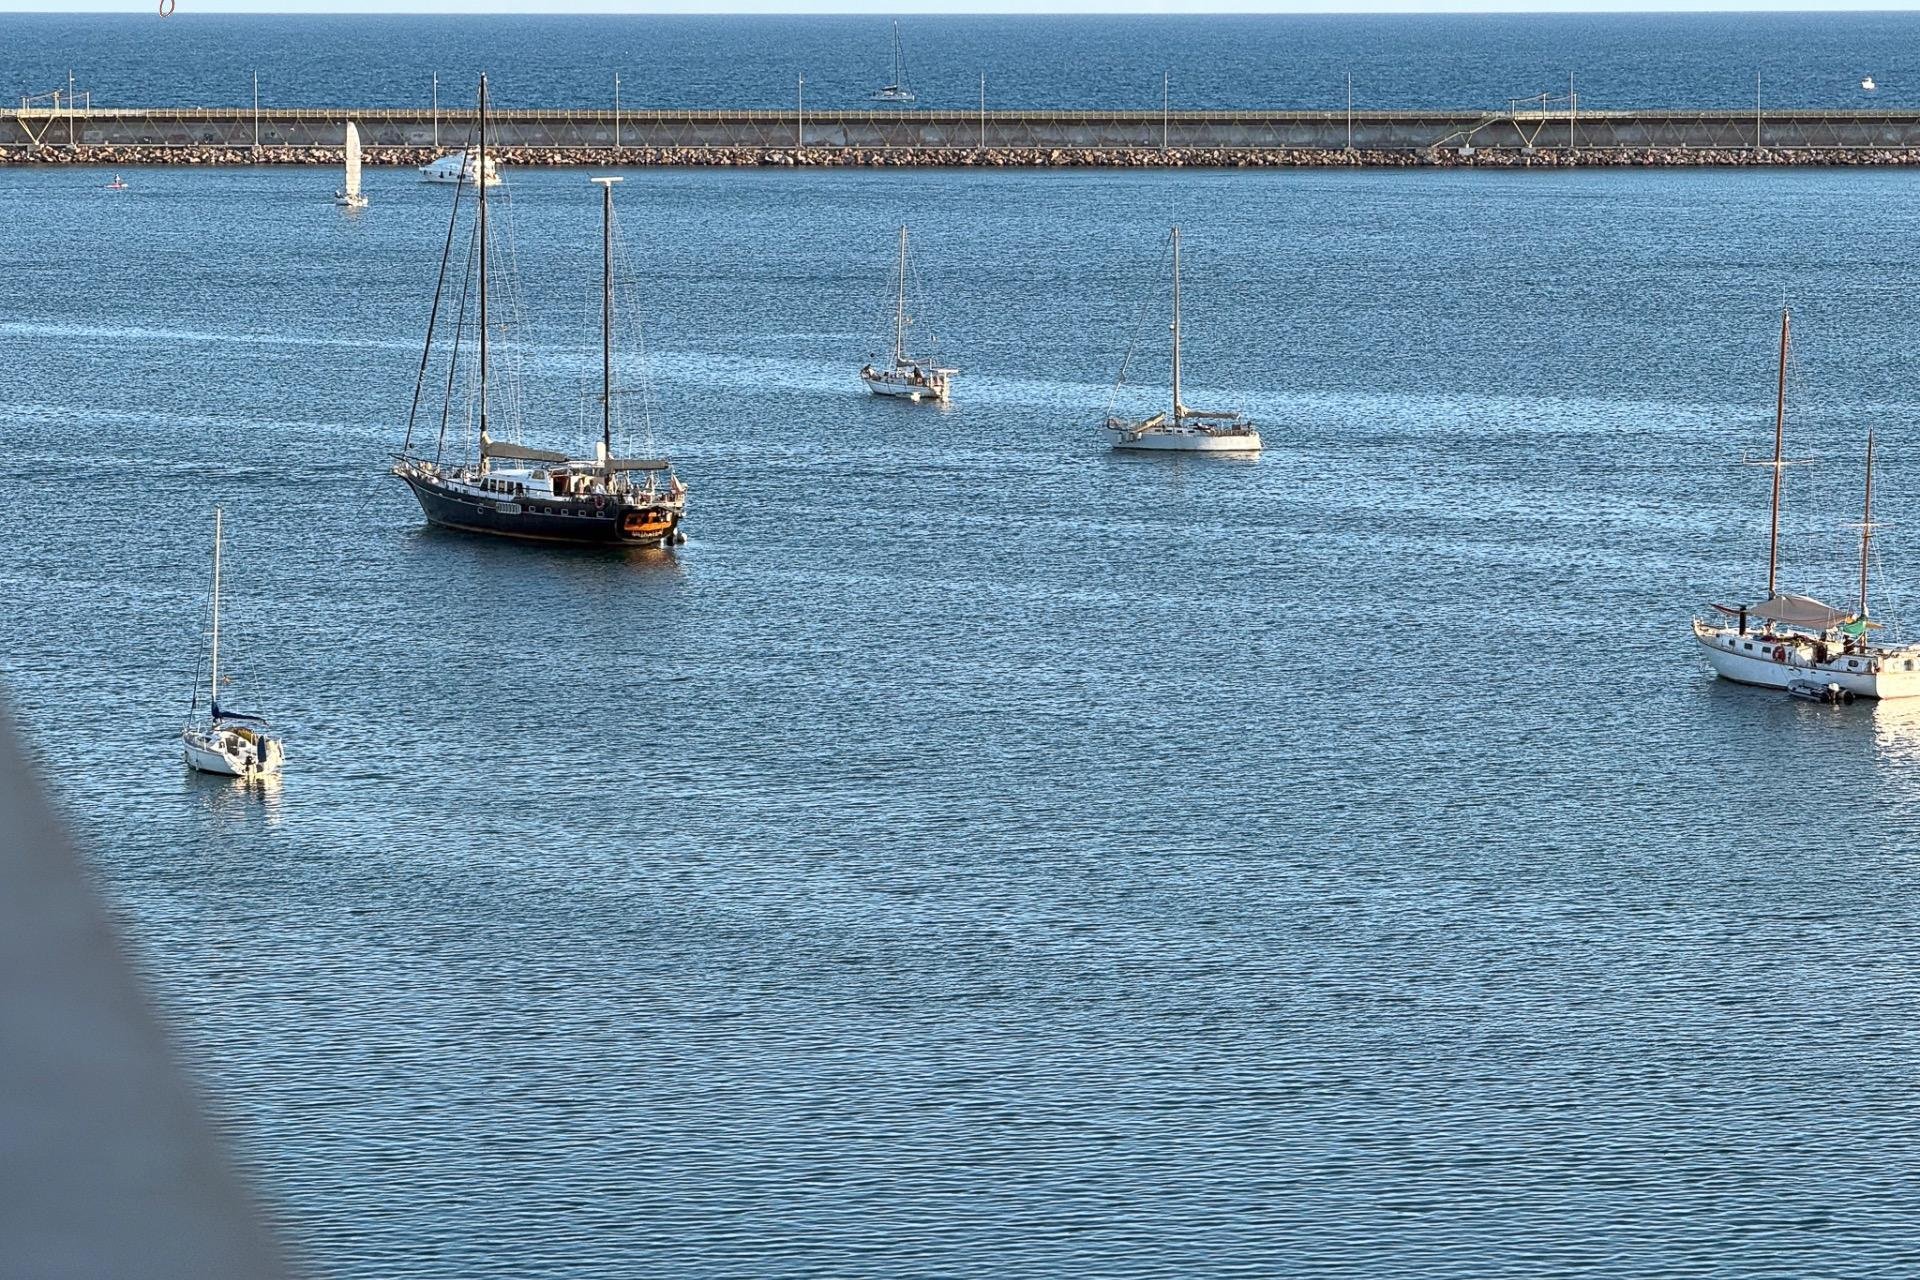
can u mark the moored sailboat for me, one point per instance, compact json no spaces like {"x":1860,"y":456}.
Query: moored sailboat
{"x":1184,"y":429}
{"x":1796,"y":642}
{"x":511,"y":490}
{"x":895,"y":90}
{"x":229,"y":743}
{"x":905,"y":375}
{"x":348,"y":196}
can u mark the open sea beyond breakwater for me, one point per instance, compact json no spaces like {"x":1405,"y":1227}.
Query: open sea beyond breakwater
{"x":1702,"y":61}
{"x":976,"y":852}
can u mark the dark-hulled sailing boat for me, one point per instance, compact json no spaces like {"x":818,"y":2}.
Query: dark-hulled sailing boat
{"x":515,"y":491}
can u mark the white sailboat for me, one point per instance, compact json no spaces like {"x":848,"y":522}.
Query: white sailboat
{"x":1795,"y":642}
{"x":1184,"y":429}
{"x":895,"y":90}
{"x":906,"y":375}
{"x":226,"y":742}
{"x":348,"y":196}
{"x":458,"y":166}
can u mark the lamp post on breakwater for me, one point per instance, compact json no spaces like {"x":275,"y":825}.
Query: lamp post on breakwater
{"x":800,"y":115}
{"x":616,"y":111}
{"x":1166,"y":106}
{"x":1349,"y":110}
{"x":436,"y":111}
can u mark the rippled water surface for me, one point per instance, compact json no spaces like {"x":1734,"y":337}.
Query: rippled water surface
{"x":1456,"y":62}
{"x":976,"y":853}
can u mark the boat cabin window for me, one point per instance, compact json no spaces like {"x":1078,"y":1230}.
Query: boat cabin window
{"x":560,"y":482}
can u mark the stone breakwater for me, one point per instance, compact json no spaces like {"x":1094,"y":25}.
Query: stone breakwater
{"x":989,"y":157}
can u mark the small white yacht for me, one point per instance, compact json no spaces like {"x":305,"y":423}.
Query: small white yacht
{"x":458,"y":167}
{"x":1868,"y":84}
{"x":348,"y":196}
{"x":1795,"y":642}
{"x":228,"y":743}
{"x":895,"y":90}
{"x":904,"y":375}
{"x":1183,"y":429}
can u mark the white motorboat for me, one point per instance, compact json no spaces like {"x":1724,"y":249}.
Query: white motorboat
{"x":895,"y":90}
{"x":348,"y":196}
{"x":458,"y":167}
{"x":1796,"y":642}
{"x":906,"y":376}
{"x":1867,"y":83}
{"x":1183,"y":429}
{"x":229,"y":743}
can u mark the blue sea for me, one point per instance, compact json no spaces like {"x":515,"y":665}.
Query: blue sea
{"x":976,"y":853}
{"x":1463,"y":62}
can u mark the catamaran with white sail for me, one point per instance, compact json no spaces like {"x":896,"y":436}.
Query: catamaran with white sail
{"x":1183,"y":429}
{"x":348,"y":196}
{"x":509,"y":489}
{"x":1796,"y":642}
{"x":226,"y":742}
{"x":895,"y":90}
{"x":908,"y":376}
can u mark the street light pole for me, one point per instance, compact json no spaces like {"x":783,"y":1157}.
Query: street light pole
{"x":436,"y":111}
{"x":800,"y":116}
{"x":616,"y":111}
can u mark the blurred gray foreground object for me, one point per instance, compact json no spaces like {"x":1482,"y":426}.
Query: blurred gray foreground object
{"x":108,"y":1166}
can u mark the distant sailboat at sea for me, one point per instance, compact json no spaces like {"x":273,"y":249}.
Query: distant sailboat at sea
{"x":906,"y":375}
{"x":1178,"y":427}
{"x":895,"y":90}
{"x":349,"y":196}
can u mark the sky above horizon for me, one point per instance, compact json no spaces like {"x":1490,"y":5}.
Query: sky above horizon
{"x":908,"y":8}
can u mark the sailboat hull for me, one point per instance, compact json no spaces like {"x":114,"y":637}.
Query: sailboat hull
{"x":882,"y":384}
{"x":1769,"y":663}
{"x":1183,"y":440}
{"x":580,"y":522}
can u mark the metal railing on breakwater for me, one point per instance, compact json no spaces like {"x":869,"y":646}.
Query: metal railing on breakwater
{"x":1028,"y":132}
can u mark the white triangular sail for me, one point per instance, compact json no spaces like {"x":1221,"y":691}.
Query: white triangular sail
{"x":353,"y":160}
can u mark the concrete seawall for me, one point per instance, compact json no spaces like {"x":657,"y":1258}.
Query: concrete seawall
{"x":884,"y":138}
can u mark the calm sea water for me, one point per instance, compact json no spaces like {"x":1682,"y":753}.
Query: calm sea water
{"x":976,"y":853}
{"x":1457,"y":62}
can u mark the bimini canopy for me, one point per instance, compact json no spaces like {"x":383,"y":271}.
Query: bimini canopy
{"x":1795,"y":611}
{"x":518,"y":452}
{"x":636,"y":464}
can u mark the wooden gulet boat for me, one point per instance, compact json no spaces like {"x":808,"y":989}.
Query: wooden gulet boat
{"x":514,"y":491}
{"x":1796,"y":642}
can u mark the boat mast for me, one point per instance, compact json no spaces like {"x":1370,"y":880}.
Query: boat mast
{"x":215,"y":699}
{"x":1178,"y":408}
{"x":900,"y":306}
{"x":480,"y":178}
{"x":606,"y":319}
{"x":1779,"y":441}
{"x":896,"y":55}
{"x":1866,"y":529}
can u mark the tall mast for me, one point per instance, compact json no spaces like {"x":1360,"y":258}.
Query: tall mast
{"x":900,"y":305}
{"x":1779,"y":463}
{"x":1866,"y":528}
{"x":216,"y":610}
{"x":606,"y":318}
{"x":1177,"y":407}
{"x":896,"y":54}
{"x":480,"y":177}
